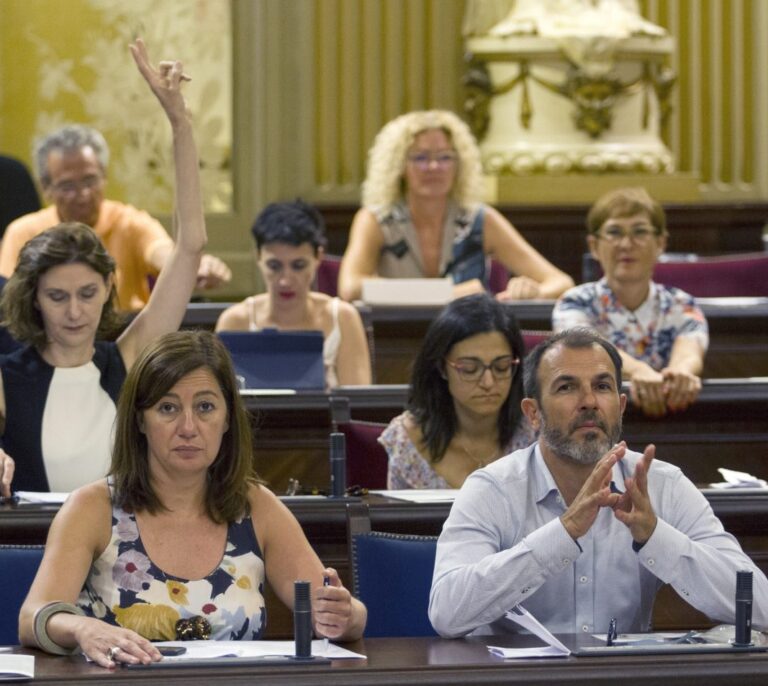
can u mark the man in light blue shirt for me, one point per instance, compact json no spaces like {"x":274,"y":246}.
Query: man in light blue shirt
{"x":577,"y":528}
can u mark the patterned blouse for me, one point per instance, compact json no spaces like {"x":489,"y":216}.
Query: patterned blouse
{"x":461,"y":254}
{"x":408,"y":469}
{"x":125,"y":588}
{"x":647,"y":333}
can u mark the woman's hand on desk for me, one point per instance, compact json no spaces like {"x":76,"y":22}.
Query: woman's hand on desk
{"x":520,"y":288}
{"x":7,"y":468}
{"x":108,"y":645}
{"x":648,"y":390}
{"x":681,"y":388}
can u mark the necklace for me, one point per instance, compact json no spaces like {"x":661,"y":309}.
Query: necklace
{"x":479,"y":462}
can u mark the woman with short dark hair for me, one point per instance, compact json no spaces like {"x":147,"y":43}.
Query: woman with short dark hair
{"x":290,"y":239}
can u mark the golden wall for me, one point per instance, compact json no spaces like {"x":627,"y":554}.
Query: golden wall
{"x":288,"y":94}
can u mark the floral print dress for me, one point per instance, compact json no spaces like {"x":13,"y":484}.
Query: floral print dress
{"x":647,"y":333}
{"x":125,"y":588}
{"x":407,"y":468}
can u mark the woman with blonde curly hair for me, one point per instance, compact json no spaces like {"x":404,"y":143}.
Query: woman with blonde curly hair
{"x":422,"y":215}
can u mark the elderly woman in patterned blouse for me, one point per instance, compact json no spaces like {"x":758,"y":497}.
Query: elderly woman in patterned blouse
{"x":660,"y":332}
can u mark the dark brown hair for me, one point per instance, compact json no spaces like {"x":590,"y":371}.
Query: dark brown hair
{"x":161,"y":365}
{"x":66,"y":243}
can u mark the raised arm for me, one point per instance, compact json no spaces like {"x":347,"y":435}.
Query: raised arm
{"x":361,"y":258}
{"x":534,"y":276}
{"x":166,"y":307}
{"x":353,"y":363}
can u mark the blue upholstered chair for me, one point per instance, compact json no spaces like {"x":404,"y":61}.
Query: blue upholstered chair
{"x":18,"y":566}
{"x":392,"y":575}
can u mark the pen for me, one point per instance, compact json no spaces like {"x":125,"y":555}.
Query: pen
{"x":611,"y":636}
{"x":326,"y":582}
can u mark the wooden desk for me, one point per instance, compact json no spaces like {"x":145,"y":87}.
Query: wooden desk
{"x":324,"y":523}
{"x":738,"y":333}
{"x":726,"y":427}
{"x":738,"y":329}
{"x":434,"y":662}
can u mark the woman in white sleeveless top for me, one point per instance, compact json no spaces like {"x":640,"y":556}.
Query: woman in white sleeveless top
{"x":289,"y":245}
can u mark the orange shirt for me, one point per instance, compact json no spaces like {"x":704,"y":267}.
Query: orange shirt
{"x":128,"y":234}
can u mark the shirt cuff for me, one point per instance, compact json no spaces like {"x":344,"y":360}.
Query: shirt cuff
{"x":661,"y":552}
{"x":552,"y":546}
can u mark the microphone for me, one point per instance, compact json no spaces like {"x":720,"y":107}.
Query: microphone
{"x":743,"y":636}
{"x":302,"y":620}
{"x":338,"y":465}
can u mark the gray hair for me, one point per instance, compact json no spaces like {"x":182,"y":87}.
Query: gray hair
{"x":69,"y":139}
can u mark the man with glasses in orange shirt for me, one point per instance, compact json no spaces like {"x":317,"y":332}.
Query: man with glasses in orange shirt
{"x":660,"y":331}
{"x":71,"y":165}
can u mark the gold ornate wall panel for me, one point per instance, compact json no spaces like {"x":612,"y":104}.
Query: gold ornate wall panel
{"x":719,"y":127}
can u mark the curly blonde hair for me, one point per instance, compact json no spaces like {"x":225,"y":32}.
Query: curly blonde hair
{"x":384,"y":183}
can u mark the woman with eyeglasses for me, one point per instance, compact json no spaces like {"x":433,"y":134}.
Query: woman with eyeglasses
{"x":660,"y":331}
{"x":178,"y":541}
{"x":422,"y":216}
{"x":58,"y":394}
{"x":464,"y":403}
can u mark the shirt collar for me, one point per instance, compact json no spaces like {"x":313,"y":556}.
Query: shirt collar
{"x":544,"y":482}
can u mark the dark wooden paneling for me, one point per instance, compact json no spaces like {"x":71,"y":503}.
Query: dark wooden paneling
{"x":557,"y":231}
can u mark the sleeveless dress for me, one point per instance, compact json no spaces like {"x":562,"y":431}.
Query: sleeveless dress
{"x":125,"y":588}
{"x":58,"y":420}
{"x":331,"y":342}
{"x":461,"y":257}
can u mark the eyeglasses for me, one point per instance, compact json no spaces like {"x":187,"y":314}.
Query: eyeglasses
{"x":613,"y":233}
{"x":423,"y":160}
{"x":72,"y":188}
{"x":471,"y":370}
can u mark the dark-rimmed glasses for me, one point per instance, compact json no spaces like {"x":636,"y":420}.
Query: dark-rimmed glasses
{"x":471,"y":369}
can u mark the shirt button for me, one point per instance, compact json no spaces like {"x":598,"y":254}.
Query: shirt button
{"x":583,"y":579}
{"x":559,"y":499}
{"x":651,"y":562}
{"x":585,"y":628}
{"x":525,"y":590}
{"x":566,"y":561}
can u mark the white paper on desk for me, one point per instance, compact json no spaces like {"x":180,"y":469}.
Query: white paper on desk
{"x":525,"y":619}
{"x":198,"y":650}
{"x":734,"y":479}
{"x":15,"y":666}
{"x":422,"y":495}
{"x":40,"y":497}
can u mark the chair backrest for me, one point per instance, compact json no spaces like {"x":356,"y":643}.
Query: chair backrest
{"x":327,"y":276}
{"x":497,"y":278}
{"x":532,"y":338}
{"x":366,"y":458}
{"x":392,"y":575}
{"x":18,"y":566}
{"x":715,"y":276}
{"x":722,"y":276}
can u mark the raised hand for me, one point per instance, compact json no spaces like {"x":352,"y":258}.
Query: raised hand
{"x":634,"y":506}
{"x":594,"y":494}
{"x":165,"y":81}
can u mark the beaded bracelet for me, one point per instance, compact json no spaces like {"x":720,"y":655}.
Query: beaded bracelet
{"x":40,"y":626}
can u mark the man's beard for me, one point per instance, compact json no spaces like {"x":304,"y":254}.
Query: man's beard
{"x":594,"y":444}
